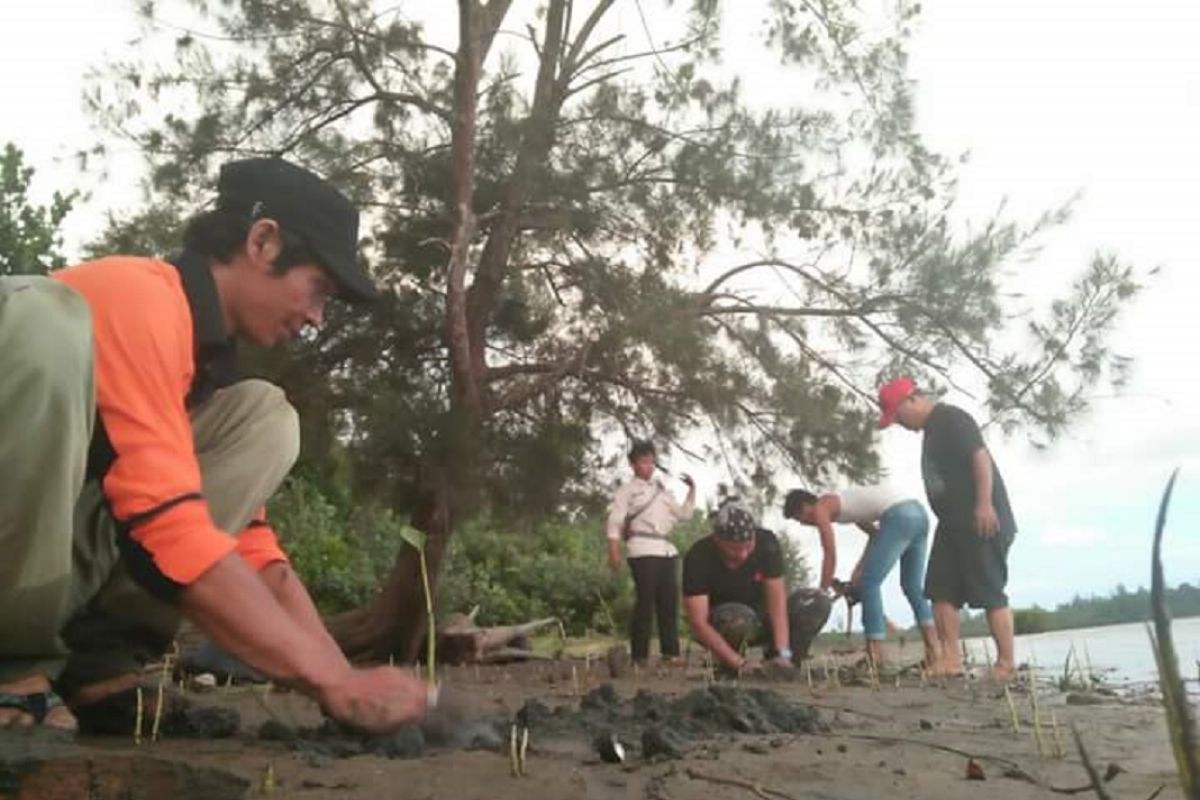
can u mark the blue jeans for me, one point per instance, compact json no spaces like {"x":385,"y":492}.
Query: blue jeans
{"x":903,"y":535}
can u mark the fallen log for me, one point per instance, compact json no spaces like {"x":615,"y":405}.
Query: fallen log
{"x":461,"y":641}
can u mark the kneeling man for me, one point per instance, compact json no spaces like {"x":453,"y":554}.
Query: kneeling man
{"x":734,"y":594}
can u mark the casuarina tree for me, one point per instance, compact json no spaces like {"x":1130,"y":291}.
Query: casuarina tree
{"x":589,"y":223}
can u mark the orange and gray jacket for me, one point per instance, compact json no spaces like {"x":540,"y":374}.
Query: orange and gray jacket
{"x":160,"y":349}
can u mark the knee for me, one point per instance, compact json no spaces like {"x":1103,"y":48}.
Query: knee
{"x":277,"y":425}
{"x":56,"y":350}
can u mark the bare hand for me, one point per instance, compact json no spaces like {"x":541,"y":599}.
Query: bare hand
{"x":614,"y":564}
{"x":986,"y":521}
{"x":749,"y":666}
{"x":687,"y":480}
{"x":376,"y":700}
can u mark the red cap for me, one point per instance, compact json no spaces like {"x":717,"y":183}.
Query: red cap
{"x":891,"y":395}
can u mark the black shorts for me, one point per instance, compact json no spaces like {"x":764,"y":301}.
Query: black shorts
{"x":968,"y":569}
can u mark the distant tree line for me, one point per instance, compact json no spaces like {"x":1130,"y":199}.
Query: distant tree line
{"x":1122,"y":605}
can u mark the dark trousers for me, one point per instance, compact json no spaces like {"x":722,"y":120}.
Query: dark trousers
{"x":657,"y":590}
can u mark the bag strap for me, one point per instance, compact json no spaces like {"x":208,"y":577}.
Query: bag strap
{"x":629,"y":518}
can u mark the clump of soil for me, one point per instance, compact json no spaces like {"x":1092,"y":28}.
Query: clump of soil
{"x":665,"y":727}
{"x":333,"y":740}
{"x":652,"y":724}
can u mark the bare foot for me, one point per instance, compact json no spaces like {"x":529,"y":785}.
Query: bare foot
{"x":946,"y":669}
{"x":1002,"y":672}
{"x":57,"y":716}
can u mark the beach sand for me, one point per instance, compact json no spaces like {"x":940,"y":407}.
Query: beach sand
{"x":893,"y":741}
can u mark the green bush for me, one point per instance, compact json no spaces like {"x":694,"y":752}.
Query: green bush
{"x":1031,"y":620}
{"x":342,"y":554}
{"x":556,"y":570}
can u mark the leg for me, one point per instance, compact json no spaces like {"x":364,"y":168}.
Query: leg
{"x":988,"y":573}
{"x":808,"y":609}
{"x":48,"y":402}
{"x":943,"y":585}
{"x":643,"y":608}
{"x":667,"y":606}
{"x":945,"y":616}
{"x":737,"y":623}
{"x":883,"y":551}
{"x":1000,"y":623}
{"x":912,"y":579}
{"x":246,"y":438}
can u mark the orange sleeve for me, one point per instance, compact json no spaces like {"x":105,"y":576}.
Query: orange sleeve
{"x":144,"y":363}
{"x":258,"y":544}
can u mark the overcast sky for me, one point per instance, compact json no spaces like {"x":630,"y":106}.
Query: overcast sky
{"x":1051,"y":98}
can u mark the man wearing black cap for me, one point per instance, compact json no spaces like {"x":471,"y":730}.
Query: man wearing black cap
{"x":735,"y":596}
{"x":136,"y":464}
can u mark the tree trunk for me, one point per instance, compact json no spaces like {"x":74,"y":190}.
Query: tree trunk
{"x":393,"y":624}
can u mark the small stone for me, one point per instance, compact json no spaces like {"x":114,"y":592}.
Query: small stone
{"x":777,"y":743}
{"x":926,"y":725}
{"x":204,"y":682}
{"x":275,"y":731}
{"x":899,"y":771}
{"x":617,"y":660}
{"x":1081,"y":699}
{"x":756,"y":747}
{"x":841,"y":748}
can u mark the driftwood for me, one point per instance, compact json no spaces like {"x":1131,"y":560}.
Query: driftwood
{"x":461,"y":641}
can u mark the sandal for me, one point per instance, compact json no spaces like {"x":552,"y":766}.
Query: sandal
{"x":37,"y":705}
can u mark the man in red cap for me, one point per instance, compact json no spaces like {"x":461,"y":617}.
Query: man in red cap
{"x":969,"y":561}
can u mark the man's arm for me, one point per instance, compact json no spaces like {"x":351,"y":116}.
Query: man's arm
{"x":696,"y":608}
{"x":293,"y":597}
{"x":986,"y":521}
{"x":775,"y":597}
{"x":272,"y":641}
{"x":684,"y":512}
{"x":614,"y":525}
{"x":824,"y":512}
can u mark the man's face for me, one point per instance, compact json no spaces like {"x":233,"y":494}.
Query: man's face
{"x":807,"y":514}
{"x":734,"y":554}
{"x":270,"y":308}
{"x":908,"y":413}
{"x":643,"y":466}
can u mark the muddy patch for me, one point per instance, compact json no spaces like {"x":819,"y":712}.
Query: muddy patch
{"x":654,"y":726}
{"x":650,"y":726}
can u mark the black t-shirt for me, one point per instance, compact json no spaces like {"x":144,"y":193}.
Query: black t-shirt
{"x":951,"y":440}
{"x":705,"y":573}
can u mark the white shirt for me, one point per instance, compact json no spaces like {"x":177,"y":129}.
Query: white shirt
{"x":863,"y":504}
{"x":660,"y":516}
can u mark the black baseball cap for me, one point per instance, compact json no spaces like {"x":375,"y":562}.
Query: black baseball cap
{"x":305,"y":205}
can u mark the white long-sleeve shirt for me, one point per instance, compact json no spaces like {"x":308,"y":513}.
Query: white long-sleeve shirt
{"x":660,"y":516}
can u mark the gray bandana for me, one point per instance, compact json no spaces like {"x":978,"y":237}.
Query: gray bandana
{"x":734,"y":523}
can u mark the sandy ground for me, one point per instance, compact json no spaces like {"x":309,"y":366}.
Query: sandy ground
{"x":885,"y":742}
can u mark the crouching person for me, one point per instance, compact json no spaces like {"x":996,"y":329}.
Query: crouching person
{"x":136,"y":464}
{"x":735,"y":596}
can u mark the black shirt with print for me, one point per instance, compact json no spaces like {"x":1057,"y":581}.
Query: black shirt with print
{"x":705,"y":573}
{"x":951,"y":439}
